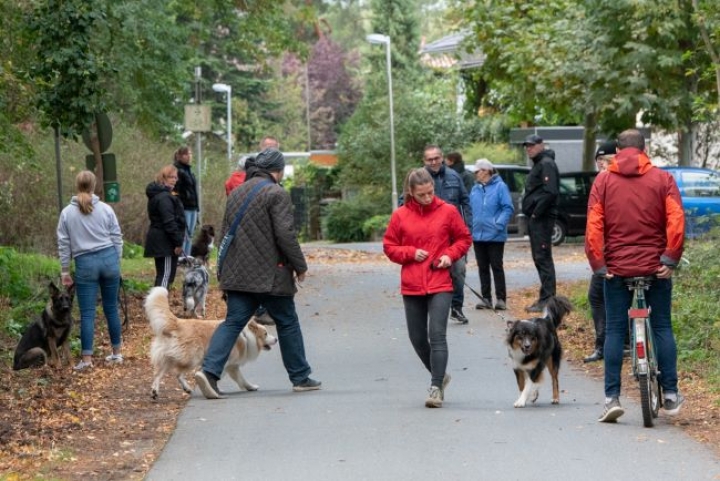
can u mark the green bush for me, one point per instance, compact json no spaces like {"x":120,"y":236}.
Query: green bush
{"x":23,"y":286}
{"x":376,"y":223}
{"x":345,"y":220}
{"x":495,"y":153}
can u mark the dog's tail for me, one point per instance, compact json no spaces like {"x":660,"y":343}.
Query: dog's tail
{"x":157,"y":310}
{"x":557,"y":308}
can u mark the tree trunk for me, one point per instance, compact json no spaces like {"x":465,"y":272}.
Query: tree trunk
{"x":95,"y":142}
{"x":589,"y":141}
{"x":685,"y":142}
{"x":58,"y":168}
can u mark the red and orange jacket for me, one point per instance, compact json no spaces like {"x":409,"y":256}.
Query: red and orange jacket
{"x":635,"y":218}
{"x":437,"y":228}
{"x":234,"y":181}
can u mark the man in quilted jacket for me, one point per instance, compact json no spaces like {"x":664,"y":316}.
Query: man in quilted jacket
{"x":262,"y":264}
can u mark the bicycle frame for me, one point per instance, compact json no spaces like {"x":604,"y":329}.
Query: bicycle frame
{"x":644,"y":361}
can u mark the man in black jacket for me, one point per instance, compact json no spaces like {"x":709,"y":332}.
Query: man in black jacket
{"x":539,"y":204}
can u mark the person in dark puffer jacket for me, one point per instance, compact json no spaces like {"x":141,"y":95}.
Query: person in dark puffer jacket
{"x":261,"y":266}
{"x":186,"y":188}
{"x":165,"y":237}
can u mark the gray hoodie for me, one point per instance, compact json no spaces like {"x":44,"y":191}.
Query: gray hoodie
{"x":79,"y":234}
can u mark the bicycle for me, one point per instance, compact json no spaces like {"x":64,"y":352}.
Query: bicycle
{"x":644,"y":360}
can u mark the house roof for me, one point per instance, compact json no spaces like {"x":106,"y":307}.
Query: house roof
{"x":446,"y":52}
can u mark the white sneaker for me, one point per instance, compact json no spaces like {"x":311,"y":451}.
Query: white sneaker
{"x":82,"y":366}
{"x":114,"y":358}
{"x":435,"y":397}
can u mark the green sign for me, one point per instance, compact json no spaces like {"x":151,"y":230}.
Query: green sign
{"x":112,"y":191}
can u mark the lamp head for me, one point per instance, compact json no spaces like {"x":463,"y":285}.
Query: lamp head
{"x":222,"y":88}
{"x":378,"y":39}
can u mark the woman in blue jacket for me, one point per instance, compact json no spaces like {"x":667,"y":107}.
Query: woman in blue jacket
{"x":492,"y":209}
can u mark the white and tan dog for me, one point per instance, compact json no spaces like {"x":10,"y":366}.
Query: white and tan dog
{"x":179,"y":345}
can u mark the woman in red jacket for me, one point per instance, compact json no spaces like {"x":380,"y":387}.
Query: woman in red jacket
{"x":425,"y":236}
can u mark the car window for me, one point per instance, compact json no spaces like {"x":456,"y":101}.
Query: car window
{"x":701,"y":184}
{"x":572,"y":186}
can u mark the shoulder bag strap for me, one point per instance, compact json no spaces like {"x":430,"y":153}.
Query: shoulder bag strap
{"x":244,"y":206}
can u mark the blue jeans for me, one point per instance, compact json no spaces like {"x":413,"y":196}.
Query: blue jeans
{"x":98,"y":269}
{"x":191,"y":217}
{"x":240,"y":307}
{"x":427,"y":318}
{"x":457,"y":273}
{"x":618,"y":299}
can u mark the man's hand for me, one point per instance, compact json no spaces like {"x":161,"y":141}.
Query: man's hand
{"x":301,"y":277}
{"x":421,"y":255}
{"x":664,"y":272}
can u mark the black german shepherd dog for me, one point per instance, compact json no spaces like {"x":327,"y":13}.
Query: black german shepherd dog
{"x":49,"y":334}
{"x":533,"y":345}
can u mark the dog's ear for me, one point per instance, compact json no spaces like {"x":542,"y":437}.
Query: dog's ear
{"x":510,"y":324}
{"x":54,"y":291}
{"x":71,"y":290}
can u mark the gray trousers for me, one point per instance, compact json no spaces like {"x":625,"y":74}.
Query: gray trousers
{"x":427,"y":318}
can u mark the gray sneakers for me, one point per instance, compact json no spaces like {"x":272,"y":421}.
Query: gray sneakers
{"x":613,"y":410}
{"x":500,"y":305}
{"x":208,"y":385}
{"x":672,"y":407}
{"x":484,"y":304}
{"x":435,"y":397}
{"x":307,"y":385}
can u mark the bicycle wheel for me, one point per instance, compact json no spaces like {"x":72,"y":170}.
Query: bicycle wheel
{"x":646,"y":399}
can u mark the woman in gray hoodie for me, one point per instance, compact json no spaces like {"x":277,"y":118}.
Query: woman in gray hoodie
{"x":89,"y":234}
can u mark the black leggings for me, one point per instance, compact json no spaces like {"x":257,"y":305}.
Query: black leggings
{"x":165,"y":268}
{"x":427,"y":318}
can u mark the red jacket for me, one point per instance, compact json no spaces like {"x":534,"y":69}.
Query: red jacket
{"x":437,"y":228}
{"x":235,"y":179}
{"x":635,"y":218}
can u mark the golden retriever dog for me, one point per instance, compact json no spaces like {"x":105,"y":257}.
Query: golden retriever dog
{"x":179,"y":345}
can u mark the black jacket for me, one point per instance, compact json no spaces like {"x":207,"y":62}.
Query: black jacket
{"x":467,"y":177}
{"x":186,"y":186}
{"x":167,"y":221}
{"x":542,"y":186}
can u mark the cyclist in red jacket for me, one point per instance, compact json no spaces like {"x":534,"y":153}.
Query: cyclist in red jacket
{"x":636,"y":227}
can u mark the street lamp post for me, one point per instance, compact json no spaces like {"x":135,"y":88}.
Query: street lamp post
{"x":228,"y":90}
{"x":376,"y":38}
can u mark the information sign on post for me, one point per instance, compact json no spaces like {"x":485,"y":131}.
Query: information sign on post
{"x":197,"y":118}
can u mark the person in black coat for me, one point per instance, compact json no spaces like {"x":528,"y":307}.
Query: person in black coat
{"x":539,"y":204}
{"x":187,"y":190}
{"x":165,"y":237}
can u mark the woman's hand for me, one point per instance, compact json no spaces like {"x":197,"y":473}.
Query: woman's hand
{"x":178,"y":251}
{"x":444,"y":262}
{"x":66,"y":280}
{"x":421,"y":255}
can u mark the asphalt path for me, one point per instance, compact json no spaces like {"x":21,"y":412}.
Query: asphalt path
{"x":369,"y":421}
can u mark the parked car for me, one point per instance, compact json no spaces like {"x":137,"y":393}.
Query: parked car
{"x":572,"y":206}
{"x":514,"y":176}
{"x":700,"y":192}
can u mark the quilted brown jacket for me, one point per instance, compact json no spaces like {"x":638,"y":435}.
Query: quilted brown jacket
{"x":265,"y":252}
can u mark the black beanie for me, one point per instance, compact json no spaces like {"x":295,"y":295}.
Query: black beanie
{"x":271,"y":160}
